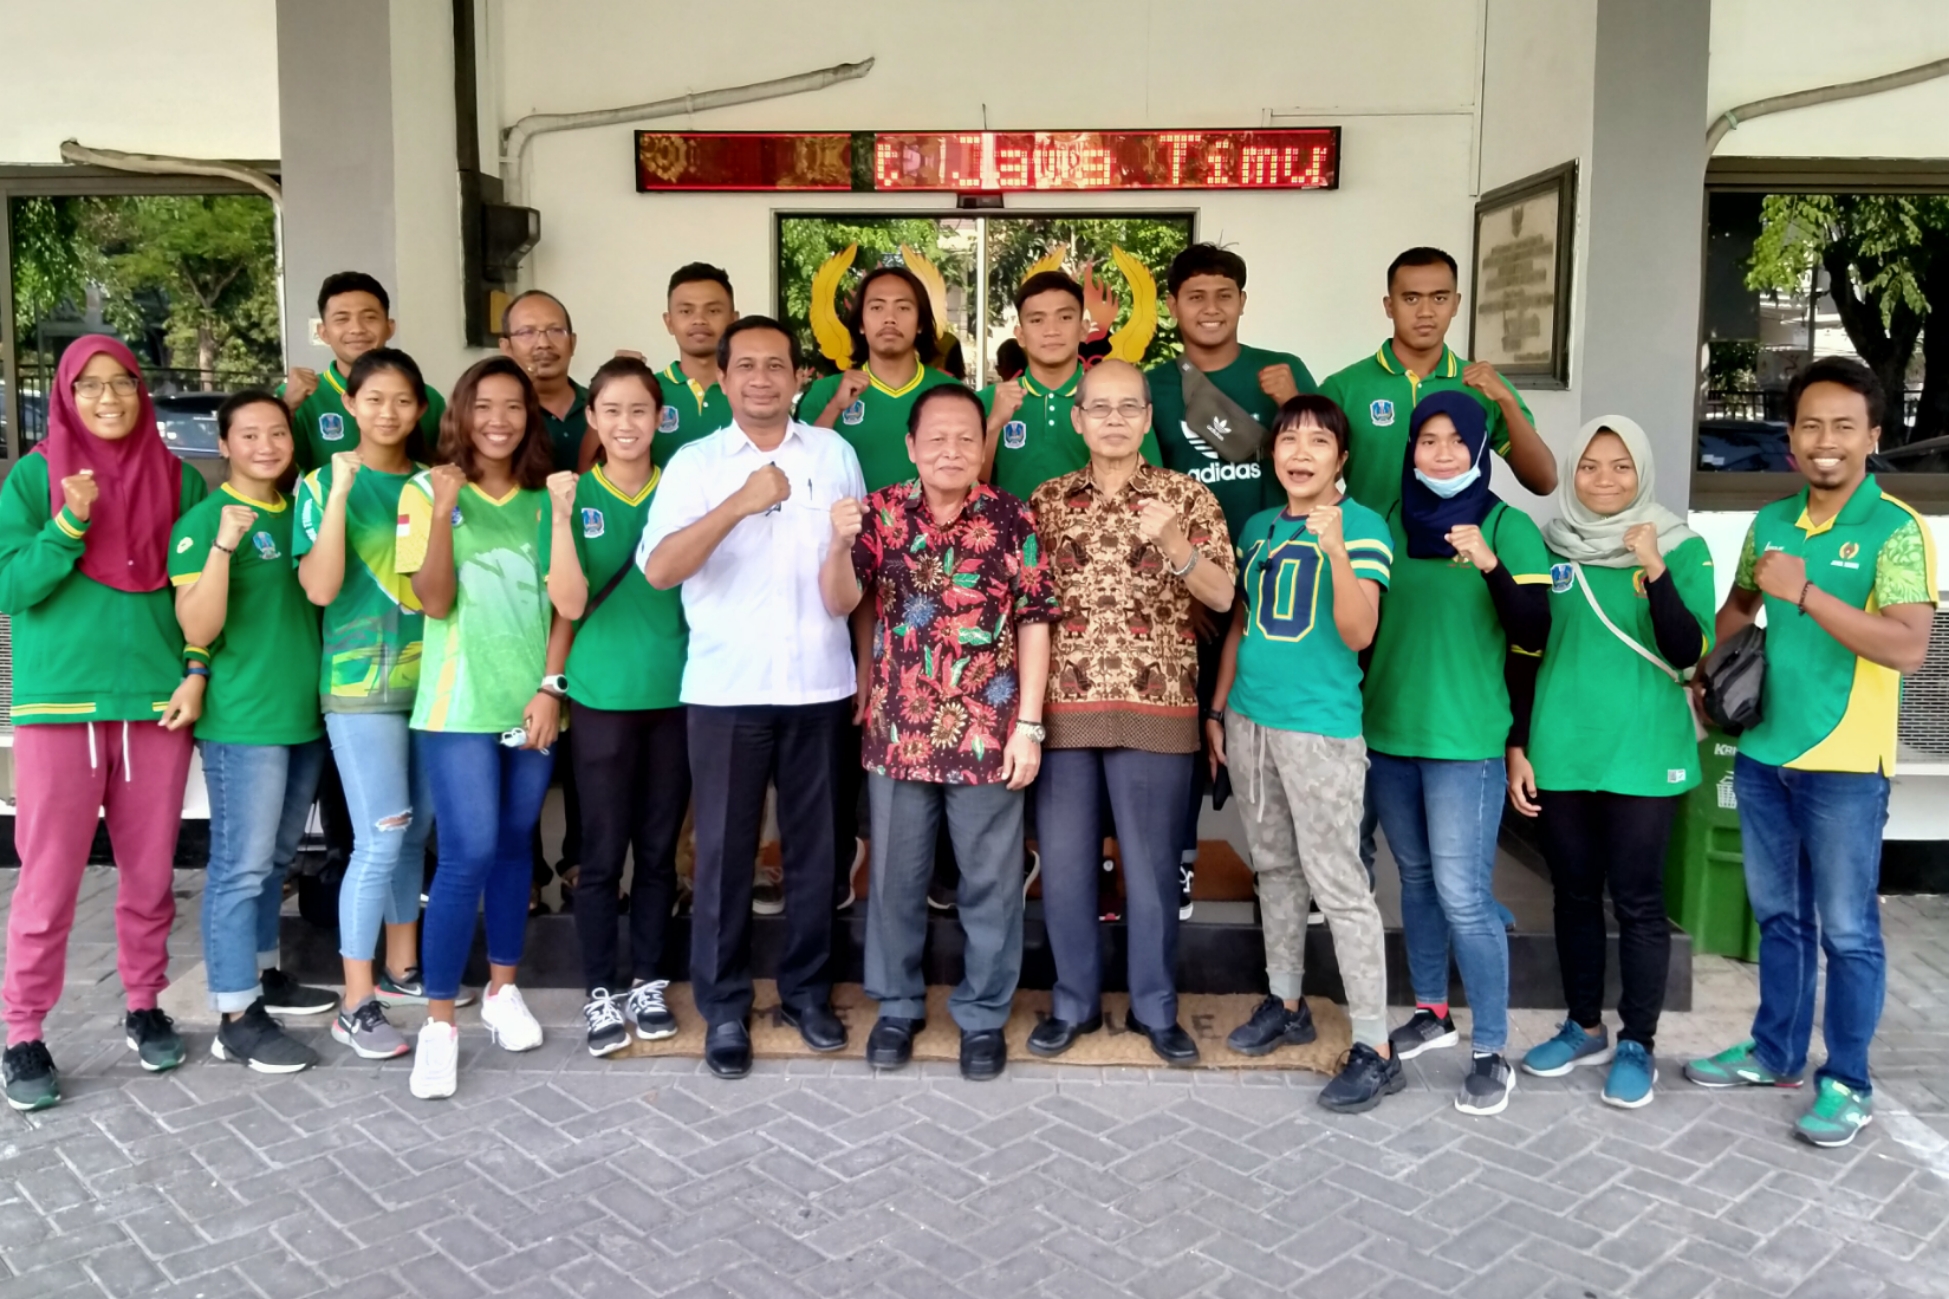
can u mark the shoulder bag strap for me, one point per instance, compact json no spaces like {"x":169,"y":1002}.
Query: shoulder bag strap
{"x":1613,"y":628}
{"x":615,"y":580}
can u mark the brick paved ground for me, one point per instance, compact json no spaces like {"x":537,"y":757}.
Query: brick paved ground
{"x":553,"y":1174}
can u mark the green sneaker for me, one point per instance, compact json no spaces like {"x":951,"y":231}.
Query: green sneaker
{"x":33,"y":1083}
{"x":1838,"y":1112}
{"x":1737,"y":1066}
{"x":152,"y":1035}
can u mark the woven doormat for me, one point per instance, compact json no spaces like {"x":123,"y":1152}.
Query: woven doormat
{"x":1208,"y":1018}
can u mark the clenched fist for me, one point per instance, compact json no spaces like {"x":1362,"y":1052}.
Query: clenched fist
{"x":1158,"y":524}
{"x":1642,"y":541}
{"x":1482,"y":377}
{"x":78,"y":492}
{"x":765,"y":488}
{"x":232,"y":523}
{"x":1008,"y":400}
{"x":848,"y":518}
{"x":298,"y":385}
{"x":1323,"y":521}
{"x":447,"y":481}
{"x":345,"y":468}
{"x":1470,"y":545}
{"x":1277,"y":382}
{"x":561,"y":491}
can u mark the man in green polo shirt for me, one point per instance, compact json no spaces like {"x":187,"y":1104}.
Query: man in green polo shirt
{"x":536,"y":331}
{"x":1379,"y":392}
{"x":1030,"y":436}
{"x":1847,"y":577}
{"x":355,"y":316}
{"x":700,"y":307}
{"x":894,"y":339}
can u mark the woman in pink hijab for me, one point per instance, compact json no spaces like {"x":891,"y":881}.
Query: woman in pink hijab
{"x":102,"y":700}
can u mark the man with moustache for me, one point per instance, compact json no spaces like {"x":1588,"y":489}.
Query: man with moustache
{"x":537,"y":333}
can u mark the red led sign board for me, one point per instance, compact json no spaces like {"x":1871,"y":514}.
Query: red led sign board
{"x":988,"y":162}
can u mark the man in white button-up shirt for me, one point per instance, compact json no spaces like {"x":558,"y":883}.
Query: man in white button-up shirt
{"x":741,"y":522}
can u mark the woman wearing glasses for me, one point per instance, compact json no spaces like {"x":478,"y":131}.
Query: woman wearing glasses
{"x":102,"y":700}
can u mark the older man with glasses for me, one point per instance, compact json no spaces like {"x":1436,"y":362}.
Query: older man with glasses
{"x":1132,"y":548}
{"x":537,"y":332}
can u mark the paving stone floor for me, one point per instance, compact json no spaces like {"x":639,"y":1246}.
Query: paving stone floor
{"x":552,"y":1174}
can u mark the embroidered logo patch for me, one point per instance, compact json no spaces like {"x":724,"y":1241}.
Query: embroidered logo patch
{"x":1015,"y":435}
{"x":331,"y":427}
{"x":1381,"y":412}
{"x":457,"y":520}
{"x":855,"y":412}
{"x":1638,"y":582}
{"x":1849,"y":549}
{"x":592,"y":525}
{"x":184,"y":545}
{"x":1562,"y":577}
{"x":668,"y":422}
{"x":266,"y":545}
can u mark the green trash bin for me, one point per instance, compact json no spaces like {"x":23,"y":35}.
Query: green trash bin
{"x":1705,"y":871}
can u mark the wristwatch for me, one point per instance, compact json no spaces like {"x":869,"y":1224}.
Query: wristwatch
{"x":556,"y":685}
{"x":1034,"y":730}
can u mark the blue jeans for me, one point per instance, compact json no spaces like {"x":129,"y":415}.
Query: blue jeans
{"x":488,"y":798}
{"x":391,"y":806}
{"x":1441,"y":819}
{"x":1813,"y":862}
{"x":260,"y":799}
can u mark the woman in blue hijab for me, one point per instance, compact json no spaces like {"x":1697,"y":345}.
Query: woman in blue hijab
{"x":1468,"y":603}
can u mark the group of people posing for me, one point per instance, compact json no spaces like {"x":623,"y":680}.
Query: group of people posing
{"x":1053,"y":610}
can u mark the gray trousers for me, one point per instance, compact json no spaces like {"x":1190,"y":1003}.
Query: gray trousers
{"x":984,"y":822}
{"x":1302,"y":797}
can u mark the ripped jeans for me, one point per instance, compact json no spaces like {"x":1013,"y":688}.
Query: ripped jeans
{"x":391,"y":802}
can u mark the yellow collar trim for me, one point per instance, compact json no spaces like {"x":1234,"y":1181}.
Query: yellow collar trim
{"x":513,"y":492}
{"x":656,"y":476}
{"x":920,"y":372}
{"x":275,"y":507}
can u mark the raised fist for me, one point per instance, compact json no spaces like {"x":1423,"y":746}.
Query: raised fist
{"x":848,"y":518}
{"x":561,"y":491}
{"x":298,"y":385}
{"x":447,"y":481}
{"x":233,"y":522}
{"x":78,"y":491}
{"x":765,"y":488}
{"x":1008,"y":399}
{"x":851,"y":385}
{"x":345,"y":468}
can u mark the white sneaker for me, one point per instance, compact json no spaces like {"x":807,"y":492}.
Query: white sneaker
{"x":507,"y":1020}
{"x":436,"y":1061}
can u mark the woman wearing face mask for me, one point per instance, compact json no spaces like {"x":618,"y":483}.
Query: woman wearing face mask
{"x":1468,"y":602}
{"x":347,"y":526}
{"x":263,"y":745}
{"x":102,"y":708}
{"x":490,"y":703}
{"x":1610,"y":743}
{"x":631,"y":751}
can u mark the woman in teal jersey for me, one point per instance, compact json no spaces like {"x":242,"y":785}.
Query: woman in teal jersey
{"x":1611,"y":743}
{"x":347,"y":527}
{"x":489,"y":704}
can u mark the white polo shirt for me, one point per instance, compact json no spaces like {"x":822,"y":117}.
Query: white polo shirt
{"x":759,"y":631}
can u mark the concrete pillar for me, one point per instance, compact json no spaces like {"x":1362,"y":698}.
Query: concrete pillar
{"x":1647,"y":186}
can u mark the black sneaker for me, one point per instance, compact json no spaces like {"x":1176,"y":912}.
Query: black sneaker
{"x":1486,"y":1089}
{"x":1424,"y":1032}
{"x":648,"y":1011}
{"x":284,"y":995}
{"x":1362,"y":1081}
{"x":608,"y":1033}
{"x":1184,"y":890}
{"x":942,"y":895}
{"x":33,"y":1083}
{"x":1271,"y":1027}
{"x":152,"y":1035}
{"x":257,"y":1041}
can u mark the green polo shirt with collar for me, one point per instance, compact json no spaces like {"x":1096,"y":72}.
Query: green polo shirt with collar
{"x":875,"y":424}
{"x":690,"y":411}
{"x":1823,"y":707}
{"x":1378,"y":394}
{"x":565,"y":432}
{"x":1040,"y":441}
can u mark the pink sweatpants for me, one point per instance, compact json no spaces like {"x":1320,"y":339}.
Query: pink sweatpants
{"x":64,"y":773}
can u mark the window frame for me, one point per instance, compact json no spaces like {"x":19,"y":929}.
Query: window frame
{"x":1928,"y":492}
{"x":65,"y":181}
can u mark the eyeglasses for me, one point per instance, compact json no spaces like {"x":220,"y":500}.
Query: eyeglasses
{"x":528,"y":333}
{"x":90,"y":389}
{"x":1129,"y":411}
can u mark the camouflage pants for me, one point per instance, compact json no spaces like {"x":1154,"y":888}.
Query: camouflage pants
{"x":1301,"y":798}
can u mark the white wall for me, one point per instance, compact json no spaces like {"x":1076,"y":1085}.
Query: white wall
{"x":427,"y":299}
{"x":197,"y":78}
{"x":1775,"y":47}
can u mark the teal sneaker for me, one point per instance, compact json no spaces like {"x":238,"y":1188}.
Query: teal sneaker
{"x":153,"y":1037}
{"x":1737,"y":1066}
{"x":33,"y":1083}
{"x":1632,"y":1074}
{"x":1571,"y":1048}
{"x":1838,"y":1112}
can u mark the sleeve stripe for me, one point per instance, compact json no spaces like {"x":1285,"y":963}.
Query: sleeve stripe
{"x":1369,"y":543}
{"x":1530,"y":579}
{"x":1370,"y":566}
{"x":184,"y":579}
{"x":61,"y":522}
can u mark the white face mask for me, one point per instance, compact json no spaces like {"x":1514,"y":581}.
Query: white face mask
{"x":1449,"y":488}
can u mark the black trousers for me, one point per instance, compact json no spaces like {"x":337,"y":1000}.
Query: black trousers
{"x":734,"y":752}
{"x":1595,"y":840}
{"x":633,"y":769}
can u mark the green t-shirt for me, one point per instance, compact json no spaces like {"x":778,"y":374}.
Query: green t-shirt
{"x":1294,"y":671}
{"x":261,"y":689}
{"x":485,"y":659}
{"x":690,"y":411}
{"x":1435,"y":686}
{"x":1605,"y":718}
{"x":876,"y":423}
{"x":1822,"y":707}
{"x":565,"y":433}
{"x":629,"y":652}
{"x":323,"y":425}
{"x":372,"y":634}
{"x":1378,"y":394}
{"x":1040,"y":441}
{"x":1242,"y":490}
